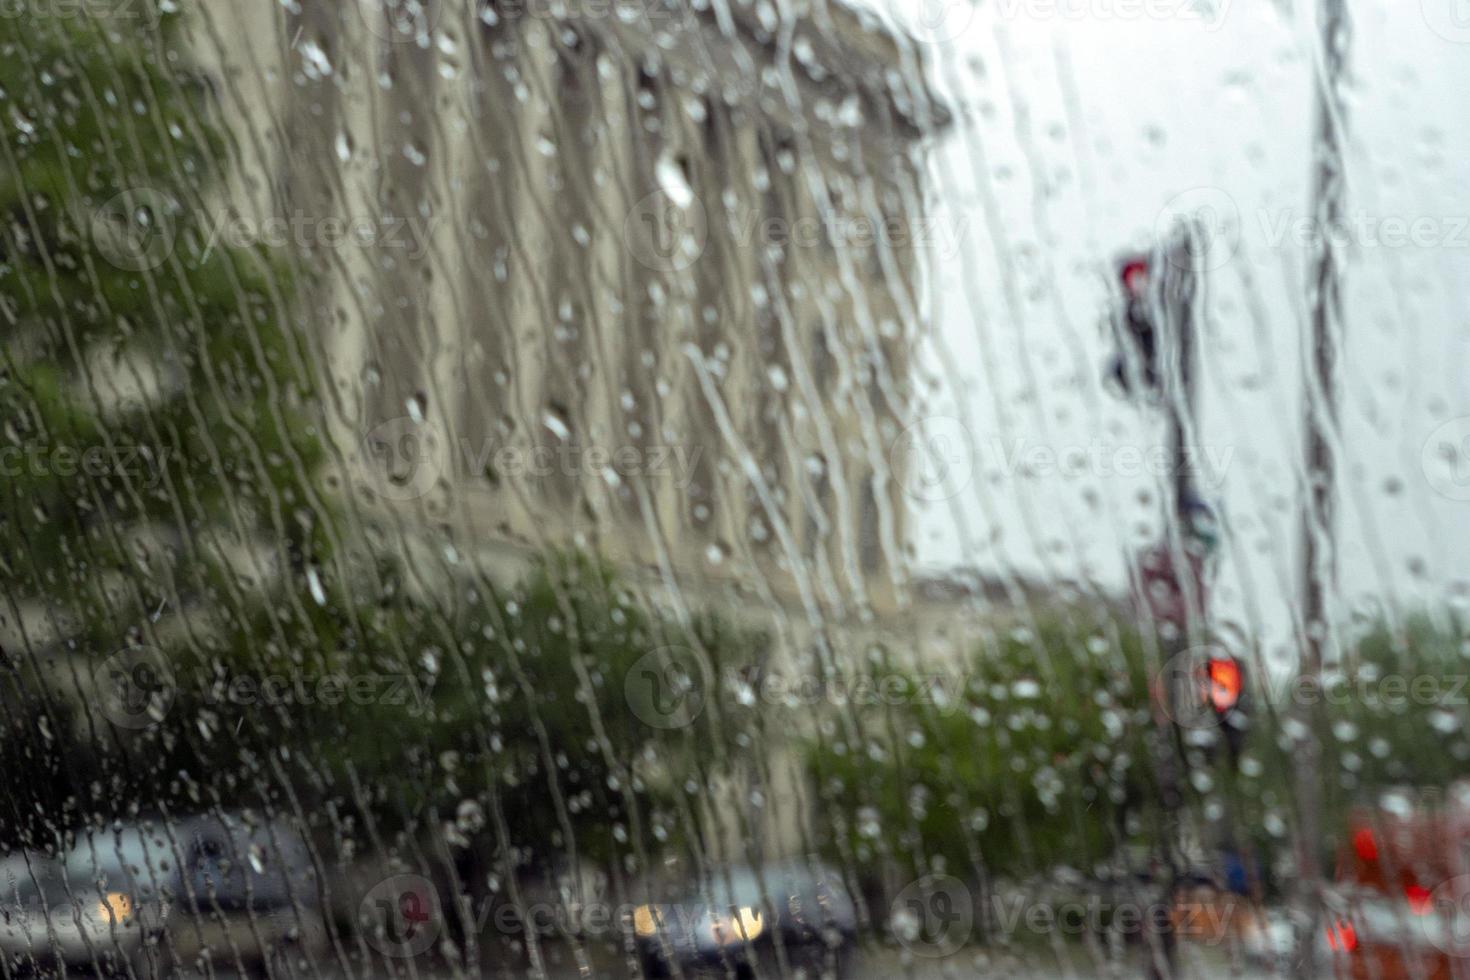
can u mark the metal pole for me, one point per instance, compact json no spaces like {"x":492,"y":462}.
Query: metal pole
{"x":1320,"y":411}
{"x":1177,"y":286}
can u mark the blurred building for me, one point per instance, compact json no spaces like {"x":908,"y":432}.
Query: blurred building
{"x":639,"y":279}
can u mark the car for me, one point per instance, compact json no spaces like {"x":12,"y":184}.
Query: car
{"x":1398,"y":906}
{"x":248,"y":896}
{"x":744,"y":918}
{"x":97,"y":905}
{"x":130,"y":897}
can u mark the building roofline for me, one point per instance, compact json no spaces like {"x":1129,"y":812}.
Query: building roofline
{"x":836,"y":50}
{"x":859,"y":47}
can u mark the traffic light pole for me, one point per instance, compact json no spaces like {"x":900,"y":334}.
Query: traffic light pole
{"x":1320,"y":416}
{"x":1157,"y":333}
{"x":1173,"y":302}
{"x":1180,"y":286}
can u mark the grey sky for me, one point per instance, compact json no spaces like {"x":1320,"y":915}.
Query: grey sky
{"x":1082,"y":123}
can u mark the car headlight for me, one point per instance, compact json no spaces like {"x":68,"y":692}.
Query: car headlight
{"x":645,"y":920}
{"x":115,"y":907}
{"x":741,"y":927}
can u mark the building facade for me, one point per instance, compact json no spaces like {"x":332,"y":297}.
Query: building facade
{"x":613,"y":275}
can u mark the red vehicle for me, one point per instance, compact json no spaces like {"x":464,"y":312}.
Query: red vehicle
{"x":1402,"y":903}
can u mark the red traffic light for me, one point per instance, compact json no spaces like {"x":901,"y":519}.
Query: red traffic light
{"x":1365,"y":846}
{"x":1225,"y":683}
{"x":1134,"y":276}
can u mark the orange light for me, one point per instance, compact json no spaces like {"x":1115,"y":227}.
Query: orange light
{"x":1419,"y":899}
{"x":1225,"y":684}
{"x":1365,"y":846}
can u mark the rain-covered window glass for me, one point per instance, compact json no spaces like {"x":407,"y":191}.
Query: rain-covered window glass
{"x":771,"y":488}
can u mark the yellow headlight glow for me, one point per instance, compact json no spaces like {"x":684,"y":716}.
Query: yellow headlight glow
{"x":644,"y":922}
{"x":750,"y":922}
{"x":742,"y":927}
{"x":115,"y":907}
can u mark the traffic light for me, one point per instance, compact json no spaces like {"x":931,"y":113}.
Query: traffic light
{"x":1136,"y":365}
{"x":1205,"y":692}
{"x":1227,"y":684}
{"x":1226,"y":696}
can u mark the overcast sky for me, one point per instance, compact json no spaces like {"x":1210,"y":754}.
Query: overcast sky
{"x":1083,"y":126}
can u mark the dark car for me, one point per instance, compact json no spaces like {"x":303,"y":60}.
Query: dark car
{"x":747,"y":918}
{"x":248,"y":896}
{"x":147,"y":896}
{"x":97,"y":905}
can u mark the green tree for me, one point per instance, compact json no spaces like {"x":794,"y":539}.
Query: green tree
{"x":1042,"y":760}
{"x":158,"y":449}
{"x":198,"y":555}
{"x":1393,"y":715}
